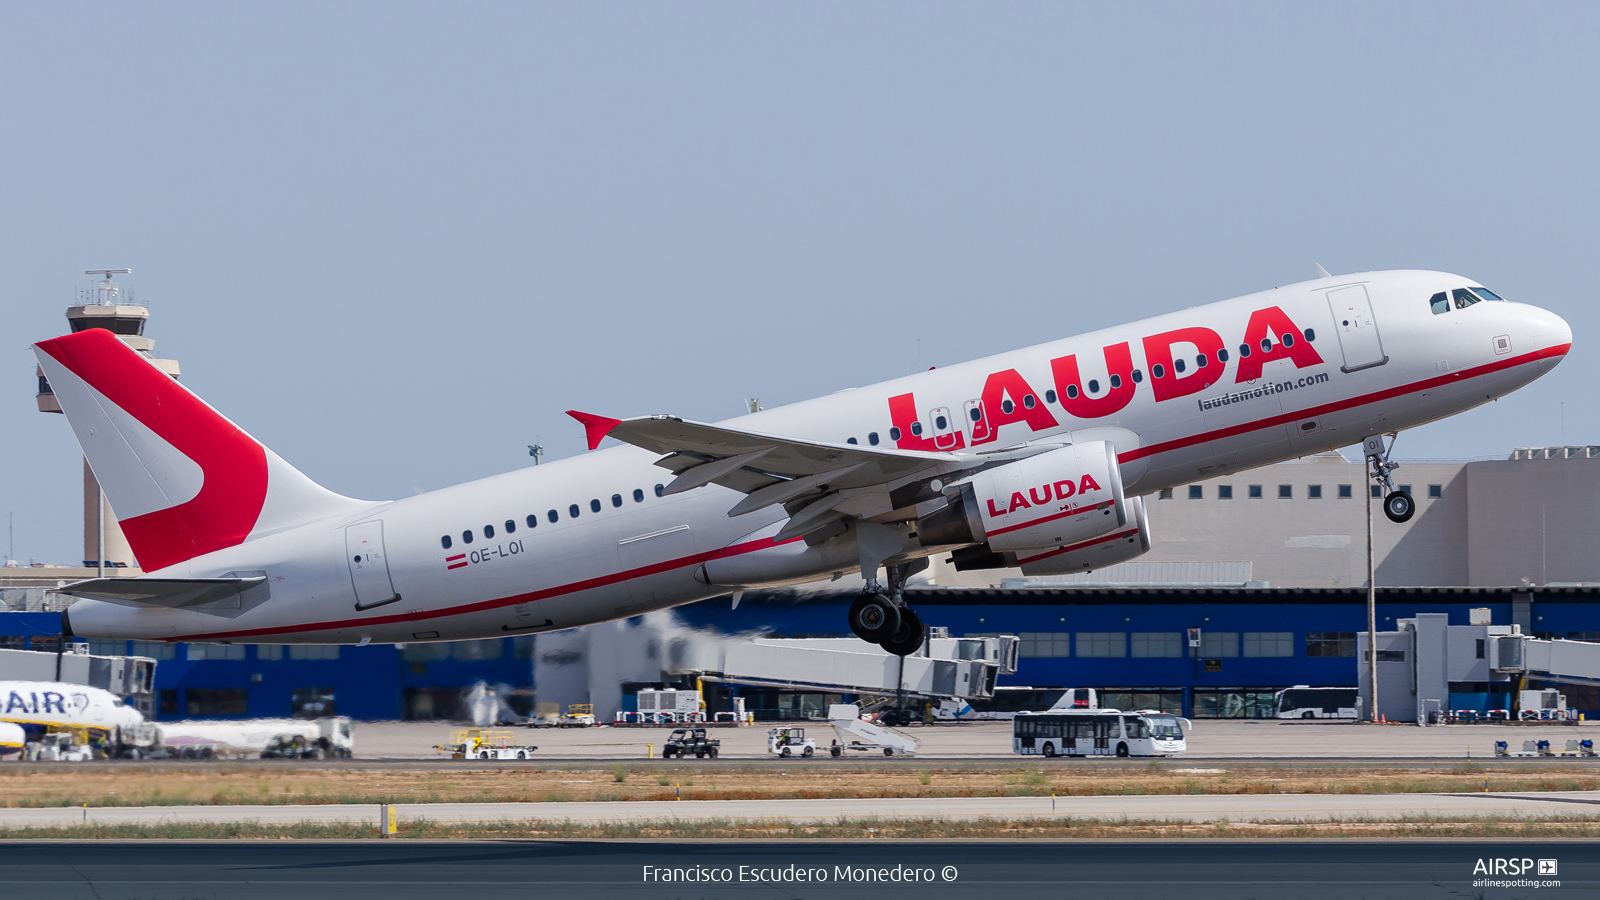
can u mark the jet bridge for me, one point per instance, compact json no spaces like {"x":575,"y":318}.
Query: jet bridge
{"x":945,"y":668}
{"x":1563,"y":662}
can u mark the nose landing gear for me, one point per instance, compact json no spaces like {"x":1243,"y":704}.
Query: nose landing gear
{"x":1397,"y":505}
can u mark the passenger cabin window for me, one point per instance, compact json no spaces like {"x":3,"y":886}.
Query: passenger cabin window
{"x":853,"y":440}
{"x":1072,"y":392}
{"x":1006,"y":406}
{"x":1201,"y":361}
{"x":1244,"y":350}
{"x":1311,"y":335}
{"x":532,"y":520}
{"x":916,"y":427}
{"x":1094,"y":385}
{"x":638,"y":495}
{"x":1288,"y":340}
{"x":1050,"y":396}
{"x":573,"y":510}
{"x":616,"y":499}
{"x":894,"y":433}
{"x":488,"y":531}
{"x":594,"y":505}
{"x":1027,"y":403}
{"x":445,"y":542}
{"x":511,"y":526}
{"x":1222,"y":355}
{"x":1116,"y":382}
{"x":660,"y":488}
{"x":553,"y":516}
{"x":939,"y":422}
{"x":872,"y":436}
{"x":1440,"y":303}
{"x":1157,"y":371}
{"x":1138,"y":376}
{"x":1464,"y":298}
{"x":466,"y":536}
{"x":1178,"y":366}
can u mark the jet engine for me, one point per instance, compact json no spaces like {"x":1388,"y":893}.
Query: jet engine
{"x":1043,"y":511}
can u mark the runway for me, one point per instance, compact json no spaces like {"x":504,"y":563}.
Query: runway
{"x":1236,"y":808}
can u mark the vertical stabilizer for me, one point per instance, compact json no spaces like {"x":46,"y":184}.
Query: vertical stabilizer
{"x":182,"y":479}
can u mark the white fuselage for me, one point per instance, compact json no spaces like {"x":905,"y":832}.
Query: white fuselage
{"x":635,"y":555}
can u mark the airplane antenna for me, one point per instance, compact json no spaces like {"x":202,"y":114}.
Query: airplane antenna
{"x":1321,"y":272}
{"x":536,"y":451}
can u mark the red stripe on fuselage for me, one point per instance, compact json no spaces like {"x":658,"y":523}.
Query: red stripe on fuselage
{"x":1339,"y":405}
{"x":559,"y":590}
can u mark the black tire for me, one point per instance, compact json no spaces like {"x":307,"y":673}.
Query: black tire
{"x":807,"y":752}
{"x":522,"y":754}
{"x":483,"y":754}
{"x":1308,"y":714}
{"x":1399,"y":507}
{"x":874,"y":618}
{"x":1122,"y":749}
{"x":712,"y":753}
{"x":909,"y":637}
{"x":835,"y":752}
{"x":1049,"y":749}
{"x":783,"y":751}
{"x":699,"y":754}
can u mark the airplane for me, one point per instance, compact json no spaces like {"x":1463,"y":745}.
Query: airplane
{"x":1037,"y":458}
{"x":37,"y":706}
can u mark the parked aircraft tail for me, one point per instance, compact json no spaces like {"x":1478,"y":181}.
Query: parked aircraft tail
{"x":182,"y":479}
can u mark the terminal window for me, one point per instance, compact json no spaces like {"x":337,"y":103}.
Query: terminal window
{"x":1219,"y":644}
{"x":216,"y":651}
{"x":313,"y":651}
{"x":1196,"y":492}
{"x":1147,"y":644}
{"x":1255,"y":492}
{"x":1224,"y":492}
{"x":1045,"y":643}
{"x":1314,"y":492}
{"x":269,"y":652}
{"x":1435,"y":491}
{"x":1166,"y":494}
{"x":107,"y":647}
{"x":1345,"y":492}
{"x":156,"y":650}
{"x":1331,"y":643}
{"x":214,"y":701}
{"x":1268,"y":643}
{"x":1103,"y":644}
{"x":1285,"y":491}
{"x":1236,"y":704}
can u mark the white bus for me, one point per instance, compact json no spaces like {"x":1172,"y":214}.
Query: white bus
{"x":1305,"y":702}
{"x":1097,"y":732}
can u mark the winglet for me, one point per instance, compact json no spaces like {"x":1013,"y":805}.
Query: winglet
{"x":596,"y":427}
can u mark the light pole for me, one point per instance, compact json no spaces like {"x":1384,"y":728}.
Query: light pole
{"x":1372,"y":612}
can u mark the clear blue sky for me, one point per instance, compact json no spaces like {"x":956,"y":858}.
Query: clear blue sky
{"x":395,"y":240}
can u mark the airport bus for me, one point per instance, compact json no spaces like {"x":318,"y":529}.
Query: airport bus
{"x":1097,"y":732}
{"x":1305,"y":702}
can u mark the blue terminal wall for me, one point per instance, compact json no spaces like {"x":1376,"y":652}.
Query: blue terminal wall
{"x":369,"y":682}
{"x":1556,"y":612}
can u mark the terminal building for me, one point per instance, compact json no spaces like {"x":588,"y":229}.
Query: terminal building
{"x":1268,"y":564}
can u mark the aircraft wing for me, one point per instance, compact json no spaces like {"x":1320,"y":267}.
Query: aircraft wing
{"x":816,"y":482}
{"x":170,"y":592}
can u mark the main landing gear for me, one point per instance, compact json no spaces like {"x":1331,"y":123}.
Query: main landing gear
{"x":882,"y":617}
{"x":1397,"y":505}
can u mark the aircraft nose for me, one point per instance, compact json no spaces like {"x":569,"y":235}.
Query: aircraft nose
{"x":1551,"y":332}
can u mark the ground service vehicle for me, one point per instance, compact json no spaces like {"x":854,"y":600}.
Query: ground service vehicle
{"x":685,"y":741}
{"x":790,"y":742}
{"x":1100,"y":732}
{"x":481,"y":743}
{"x":1037,"y":458}
{"x":1304,"y":702}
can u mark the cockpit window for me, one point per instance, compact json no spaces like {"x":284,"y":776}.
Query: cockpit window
{"x":1440,"y":303}
{"x":1487,"y":294}
{"x":1464,"y":298}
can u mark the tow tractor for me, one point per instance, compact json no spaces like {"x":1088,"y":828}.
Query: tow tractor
{"x":685,"y":741}
{"x":789,"y":741}
{"x":481,"y":743}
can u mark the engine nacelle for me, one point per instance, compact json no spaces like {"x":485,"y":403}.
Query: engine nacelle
{"x":1052,"y":500}
{"x":1107,"y":550}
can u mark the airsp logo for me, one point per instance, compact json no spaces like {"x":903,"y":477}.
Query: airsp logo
{"x":1512,"y":867}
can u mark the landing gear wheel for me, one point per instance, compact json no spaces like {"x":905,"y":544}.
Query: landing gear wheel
{"x":874,"y":618}
{"x":909,"y":637}
{"x":1399,"y":507}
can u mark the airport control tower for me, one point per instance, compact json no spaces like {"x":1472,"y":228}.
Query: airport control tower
{"x":106,"y":306}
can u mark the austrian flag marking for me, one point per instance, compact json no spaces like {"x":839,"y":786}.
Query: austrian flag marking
{"x":455,"y":562}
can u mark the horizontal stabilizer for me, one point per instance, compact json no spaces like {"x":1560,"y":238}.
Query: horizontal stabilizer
{"x":175,"y":593}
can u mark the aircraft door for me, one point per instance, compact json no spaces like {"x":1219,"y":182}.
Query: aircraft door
{"x":944,"y":429}
{"x":973,"y":412}
{"x":369,"y":564}
{"x":1357,"y":329}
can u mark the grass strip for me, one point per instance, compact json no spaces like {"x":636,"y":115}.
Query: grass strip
{"x":1063,"y":827}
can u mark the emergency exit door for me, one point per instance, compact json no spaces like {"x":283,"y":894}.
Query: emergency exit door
{"x":1358,"y":331}
{"x":369,"y":565}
